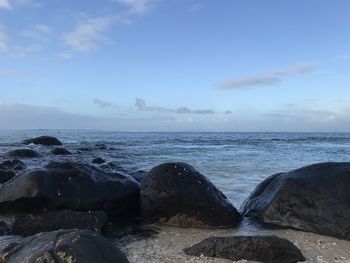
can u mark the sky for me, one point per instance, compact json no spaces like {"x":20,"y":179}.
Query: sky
{"x":175,"y":65}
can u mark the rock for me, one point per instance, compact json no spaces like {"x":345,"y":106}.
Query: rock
{"x":12,"y":165}
{"x":43,"y":140}
{"x":27,"y":224}
{"x":6,"y":176}
{"x":85,"y":149}
{"x":98,"y":160}
{"x":23,"y":153}
{"x":314,"y":198}
{"x":138,"y":175}
{"x":255,"y":248}
{"x":60,"y":151}
{"x":63,"y":246}
{"x":176,"y":194}
{"x":73,"y":186}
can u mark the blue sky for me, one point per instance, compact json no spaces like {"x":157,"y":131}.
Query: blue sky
{"x":175,"y":65}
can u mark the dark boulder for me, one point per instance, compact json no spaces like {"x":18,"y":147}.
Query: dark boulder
{"x":6,"y":175}
{"x":43,"y":140}
{"x":63,"y":246}
{"x":23,"y":153}
{"x":98,"y":160}
{"x":269,"y":249}
{"x":27,"y":224}
{"x":60,"y":151}
{"x":176,"y":194}
{"x":68,"y":185}
{"x":12,"y":165}
{"x":138,"y":175}
{"x":314,"y":198}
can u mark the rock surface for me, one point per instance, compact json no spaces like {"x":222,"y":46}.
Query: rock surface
{"x":60,"y":151}
{"x":12,"y":165}
{"x":314,"y":198}
{"x":63,"y":246}
{"x":43,"y":140}
{"x":98,"y":160}
{"x":23,"y":153}
{"x":269,"y":249}
{"x":68,"y":185}
{"x":27,"y":224}
{"x":176,"y":194}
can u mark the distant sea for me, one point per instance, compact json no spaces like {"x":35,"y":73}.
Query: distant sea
{"x":234,"y":162}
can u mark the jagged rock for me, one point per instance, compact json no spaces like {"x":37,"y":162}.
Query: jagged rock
{"x":176,"y":194}
{"x":269,"y":249}
{"x":314,"y":198}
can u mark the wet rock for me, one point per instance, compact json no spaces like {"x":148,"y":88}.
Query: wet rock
{"x":138,"y":175}
{"x":314,"y":198}
{"x":60,"y":151}
{"x":63,"y":246}
{"x":6,"y":175}
{"x":98,"y":160}
{"x":85,"y":149}
{"x":270,"y":249}
{"x":176,"y":194}
{"x":43,"y":140}
{"x":27,"y":224}
{"x":73,"y":186}
{"x":12,"y":165}
{"x":23,"y":153}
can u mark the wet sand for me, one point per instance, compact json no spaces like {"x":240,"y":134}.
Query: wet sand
{"x":168,"y":245}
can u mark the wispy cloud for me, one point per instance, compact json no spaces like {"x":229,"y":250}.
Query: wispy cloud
{"x":5,"y":4}
{"x":102,"y":104}
{"x":64,"y":55}
{"x":137,"y":6}
{"x":3,"y":41}
{"x":88,"y":34}
{"x":270,"y":78}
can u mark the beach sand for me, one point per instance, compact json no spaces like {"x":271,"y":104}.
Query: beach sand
{"x":168,"y":244}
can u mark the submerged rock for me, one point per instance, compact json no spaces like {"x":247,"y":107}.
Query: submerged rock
{"x":43,"y":140}
{"x":63,"y":246}
{"x":269,"y":249}
{"x":73,"y":186}
{"x":98,"y":160}
{"x":176,"y":194}
{"x":23,"y":153}
{"x":314,"y":198}
{"x":60,"y":151}
{"x":12,"y":165}
{"x":27,"y":224}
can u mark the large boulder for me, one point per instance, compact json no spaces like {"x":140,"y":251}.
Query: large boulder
{"x":176,"y":194}
{"x":23,"y":153}
{"x":269,"y":249}
{"x":314,"y":198}
{"x":27,"y":224}
{"x":43,"y":140}
{"x":68,"y":185}
{"x":63,"y":246}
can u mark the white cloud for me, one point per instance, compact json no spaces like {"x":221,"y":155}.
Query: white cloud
{"x":64,"y":55}
{"x":43,"y":28}
{"x":87,"y":35}
{"x":3,"y":41}
{"x":136,"y":6}
{"x":5,"y":4}
{"x":270,"y":78}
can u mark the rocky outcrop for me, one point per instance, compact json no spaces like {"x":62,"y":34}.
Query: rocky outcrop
{"x":27,"y":224}
{"x":176,"y":194}
{"x":314,"y":198}
{"x":60,"y":151}
{"x":68,"y":185}
{"x":269,"y":249}
{"x":63,"y":246}
{"x":23,"y":153}
{"x":43,"y":140}
{"x":12,"y":165}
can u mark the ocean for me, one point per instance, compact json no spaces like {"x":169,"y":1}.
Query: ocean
{"x":234,"y":162}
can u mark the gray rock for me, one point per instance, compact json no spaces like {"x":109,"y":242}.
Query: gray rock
{"x":176,"y":194}
{"x":43,"y":140}
{"x":23,"y":153}
{"x":60,"y":151}
{"x":314,"y":198}
{"x":269,"y":249}
{"x":63,"y":246}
